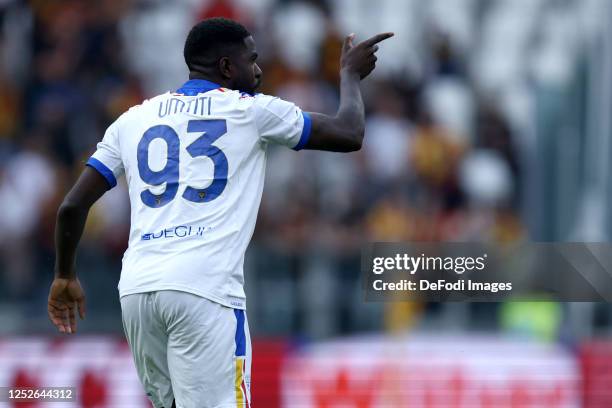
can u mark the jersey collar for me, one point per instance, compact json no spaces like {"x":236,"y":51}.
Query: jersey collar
{"x":197,"y":86}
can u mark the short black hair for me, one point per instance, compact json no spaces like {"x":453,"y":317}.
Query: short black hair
{"x":211,"y":36}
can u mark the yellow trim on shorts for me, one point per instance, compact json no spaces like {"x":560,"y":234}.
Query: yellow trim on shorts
{"x":239,"y":379}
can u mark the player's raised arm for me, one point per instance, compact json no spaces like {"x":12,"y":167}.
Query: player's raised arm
{"x":66,"y":294}
{"x":344,"y":131}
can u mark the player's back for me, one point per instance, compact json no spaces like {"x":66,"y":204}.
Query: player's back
{"x":194,"y":161}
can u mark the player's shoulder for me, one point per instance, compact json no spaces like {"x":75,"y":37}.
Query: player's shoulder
{"x":262,"y":100}
{"x":133,"y":116}
{"x":148,"y":104}
{"x":263,"y":103}
{"x":237,"y":100}
{"x":232,"y":94}
{"x":146,"y":107}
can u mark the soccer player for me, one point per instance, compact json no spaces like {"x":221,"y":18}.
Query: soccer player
{"x":194,"y":160}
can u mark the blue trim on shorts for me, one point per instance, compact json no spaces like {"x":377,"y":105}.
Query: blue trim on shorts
{"x":240,"y":337}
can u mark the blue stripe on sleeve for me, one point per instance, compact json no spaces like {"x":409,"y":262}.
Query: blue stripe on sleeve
{"x":103,"y":170}
{"x":305,"y":132}
{"x":240,"y":335}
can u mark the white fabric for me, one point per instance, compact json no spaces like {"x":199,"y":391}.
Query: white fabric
{"x":184,"y":349}
{"x":197,"y":247}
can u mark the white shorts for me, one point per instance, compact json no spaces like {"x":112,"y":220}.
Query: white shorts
{"x":189,"y":350}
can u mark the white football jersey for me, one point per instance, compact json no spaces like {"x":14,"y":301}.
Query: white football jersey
{"x":195,"y":162}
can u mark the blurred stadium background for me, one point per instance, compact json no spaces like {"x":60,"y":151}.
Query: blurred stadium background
{"x":487,"y":120}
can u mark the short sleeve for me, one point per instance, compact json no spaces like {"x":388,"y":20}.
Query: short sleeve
{"x":107,"y":158}
{"x":281,"y":122}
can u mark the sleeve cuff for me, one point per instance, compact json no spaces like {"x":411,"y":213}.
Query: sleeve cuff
{"x":305,"y":132}
{"x":103,"y":170}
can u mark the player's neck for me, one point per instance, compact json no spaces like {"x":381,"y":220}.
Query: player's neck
{"x":211,"y":78}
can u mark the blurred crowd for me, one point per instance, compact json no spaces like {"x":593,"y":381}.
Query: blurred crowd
{"x":445,"y":157}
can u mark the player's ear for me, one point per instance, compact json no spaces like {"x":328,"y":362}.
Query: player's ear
{"x":225,"y":67}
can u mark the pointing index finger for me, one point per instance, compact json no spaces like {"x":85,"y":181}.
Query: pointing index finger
{"x":377,"y":38}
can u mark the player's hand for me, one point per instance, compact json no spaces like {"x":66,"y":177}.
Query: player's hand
{"x":360,"y":59}
{"x":65,"y":296}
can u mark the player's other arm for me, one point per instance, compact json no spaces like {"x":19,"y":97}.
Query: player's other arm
{"x":66,"y":294}
{"x":344,"y":131}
